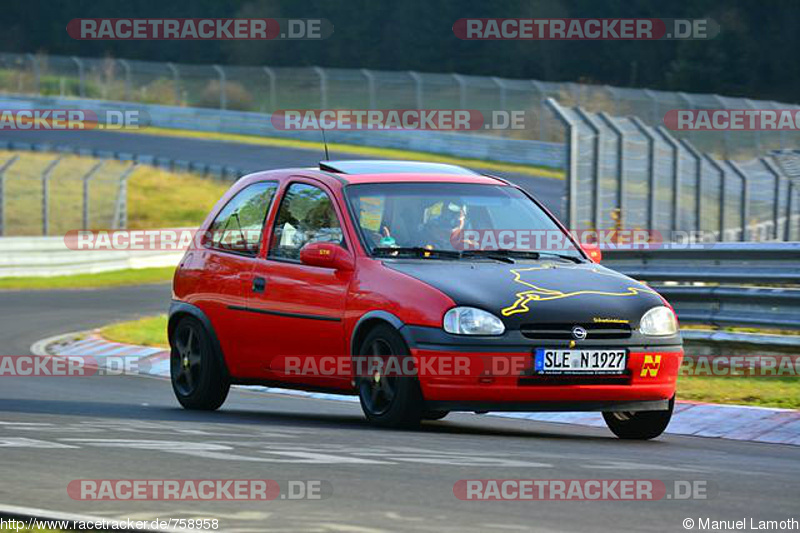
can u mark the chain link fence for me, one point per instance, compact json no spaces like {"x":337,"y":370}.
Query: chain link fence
{"x":266,"y":89}
{"x":623,"y":173}
{"x":46,"y":194}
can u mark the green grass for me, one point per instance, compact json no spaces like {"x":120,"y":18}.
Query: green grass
{"x":761,"y":391}
{"x":367,"y":151}
{"x":764,"y":391}
{"x":156,"y":198}
{"x":90,"y":281}
{"x":148,"y":331}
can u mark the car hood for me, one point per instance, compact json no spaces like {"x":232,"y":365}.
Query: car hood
{"x":537,"y":292}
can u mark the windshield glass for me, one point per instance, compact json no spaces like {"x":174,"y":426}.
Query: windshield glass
{"x":454,"y":217}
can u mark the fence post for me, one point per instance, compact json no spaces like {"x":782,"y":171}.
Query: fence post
{"x":572,"y":162}
{"x":745,"y":199}
{"x":651,"y":170}
{"x":597,"y":204}
{"x":462,"y":90}
{"x":86,"y":178}
{"x":714,"y":163}
{"x":121,"y":210}
{"x":370,"y":77}
{"x":776,"y":204}
{"x":497,"y":81}
{"x":176,"y":80}
{"x":614,"y":96}
{"x":3,"y":170}
{"x":542,"y":95}
{"x":621,"y":189}
{"x":726,"y":150}
{"x":223,"y":93}
{"x":417,"y":87}
{"x":81,"y":80}
{"x":789,"y":198}
{"x":698,"y":182}
{"x":46,"y":194}
{"x":37,"y":75}
{"x":676,"y":174}
{"x":127,"y":68}
{"x":273,"y":97}
{"x":323,"y":87}
{"x":654,"y":99}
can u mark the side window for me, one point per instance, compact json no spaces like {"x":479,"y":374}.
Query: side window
{"x":238,"y":226}
{"x":306,"y":215}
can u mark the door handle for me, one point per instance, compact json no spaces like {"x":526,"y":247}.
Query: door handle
{"x":259,"y":284}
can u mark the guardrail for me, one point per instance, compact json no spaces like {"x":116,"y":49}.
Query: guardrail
{"x":49,"y":256}
{"x":467,"y":145}
{"x":727,"y":284}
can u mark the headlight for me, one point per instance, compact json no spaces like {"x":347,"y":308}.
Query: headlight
{"x":658,"y":322}
{"x":472,"y":321}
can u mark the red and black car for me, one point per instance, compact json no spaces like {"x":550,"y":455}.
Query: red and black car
{"x":303,"y":274}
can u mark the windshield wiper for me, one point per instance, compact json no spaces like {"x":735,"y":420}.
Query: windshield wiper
{"x":568,"y":257}
{"x":500,"y":255}
{"x":415,"y":251}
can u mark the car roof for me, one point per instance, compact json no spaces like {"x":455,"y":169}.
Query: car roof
{"x":353,"y":167}
{"x":390,"y":171}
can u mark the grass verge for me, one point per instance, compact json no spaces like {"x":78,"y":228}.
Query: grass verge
{"x":117,"y":278}
{"x":764,"y":392}
{"x":366,"y":151}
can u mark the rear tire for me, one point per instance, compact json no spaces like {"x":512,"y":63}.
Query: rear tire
{"x":639,"y":425}
{"x":199,"y":378}
{"x":389,"y":401}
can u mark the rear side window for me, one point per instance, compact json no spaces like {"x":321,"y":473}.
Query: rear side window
{"x":306,"y":215}
{"x":238,"y":227}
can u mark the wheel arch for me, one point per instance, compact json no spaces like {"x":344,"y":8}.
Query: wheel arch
{"x":180,"y":310}
{"x":371,"y":319}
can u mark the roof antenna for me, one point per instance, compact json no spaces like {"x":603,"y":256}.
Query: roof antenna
{"x":327,"y":157}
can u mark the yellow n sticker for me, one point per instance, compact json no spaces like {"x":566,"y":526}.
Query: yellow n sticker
{"x":651,"y":365}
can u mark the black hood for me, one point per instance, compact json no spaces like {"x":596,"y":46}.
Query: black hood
{"x":537,"y":292}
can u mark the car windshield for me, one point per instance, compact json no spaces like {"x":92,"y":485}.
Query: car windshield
{"x":455,"y":220}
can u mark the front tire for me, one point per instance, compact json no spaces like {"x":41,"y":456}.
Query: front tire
{"x":639,"y":425}
{"x":199,"y":379}
{"x":389,"y":401}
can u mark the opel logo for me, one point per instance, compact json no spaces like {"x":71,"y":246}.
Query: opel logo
{"x":579,"y":333}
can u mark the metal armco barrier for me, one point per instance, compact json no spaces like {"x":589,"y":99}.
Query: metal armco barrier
{"x":622,"y":173}
{"x":745,"y":285}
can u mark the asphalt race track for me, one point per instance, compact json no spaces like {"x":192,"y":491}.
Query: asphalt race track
{"x":57,"y":429}
{"x":250,"y":157}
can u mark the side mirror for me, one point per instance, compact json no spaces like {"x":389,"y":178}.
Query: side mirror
{"x":326,"y":255}
{"x":593,"y":251}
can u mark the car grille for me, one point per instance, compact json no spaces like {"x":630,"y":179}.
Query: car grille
{"x":594,"y":331}
{"x":529,"y":379}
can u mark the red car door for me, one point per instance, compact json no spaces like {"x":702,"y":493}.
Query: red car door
{"x":300,"y":308}
{"x":225,"y":265}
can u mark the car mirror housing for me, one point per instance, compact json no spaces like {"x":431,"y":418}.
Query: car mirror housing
{"x":593,"y":251}
{"x":326,"y":255}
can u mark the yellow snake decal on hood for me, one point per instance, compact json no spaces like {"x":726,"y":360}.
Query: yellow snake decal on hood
{"x":534,"y":293}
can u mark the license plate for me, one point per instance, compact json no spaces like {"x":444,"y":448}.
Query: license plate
{"x":584,"y":362}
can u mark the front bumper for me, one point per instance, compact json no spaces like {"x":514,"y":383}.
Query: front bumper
{"x":498,"y":374}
